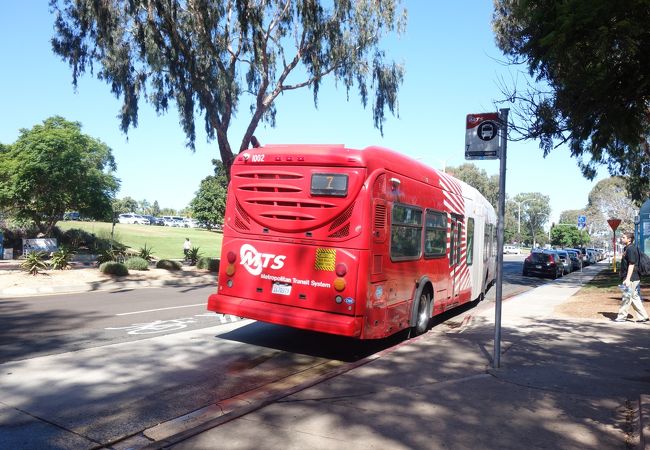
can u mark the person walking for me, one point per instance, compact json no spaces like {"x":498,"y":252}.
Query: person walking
{"x":630,"y":281}
{"x":187,"y":245}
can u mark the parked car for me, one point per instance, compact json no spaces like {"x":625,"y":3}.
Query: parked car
{"x":190,"y":223}
{"x":566,"y":261}
{"x":576,"y":260}
{"x":592,"y":255}
{"x":153,"y":220}
{"x":511,"y":250}
{"x":71,"y":215}
{"x":132,"y":218}
{"x":544,"y":264}
{"x":170,"y":221}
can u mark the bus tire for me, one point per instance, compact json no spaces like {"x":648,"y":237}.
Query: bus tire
{"x":423,"y":314}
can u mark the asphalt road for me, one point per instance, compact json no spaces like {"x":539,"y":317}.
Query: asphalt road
{"x":81,"y":371}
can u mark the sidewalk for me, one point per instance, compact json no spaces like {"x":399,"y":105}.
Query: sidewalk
{"x":562,"y":384}
{"x":16,"y":283}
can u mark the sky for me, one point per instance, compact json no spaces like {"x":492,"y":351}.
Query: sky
{"x":453,"y":68}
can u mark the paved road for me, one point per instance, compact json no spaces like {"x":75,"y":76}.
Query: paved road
{"x":45,"y":325}
{"x":120,"y":380}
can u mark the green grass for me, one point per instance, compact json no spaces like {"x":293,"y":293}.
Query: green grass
{"x":166,"y":242}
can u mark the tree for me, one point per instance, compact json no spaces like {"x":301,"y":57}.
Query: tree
{"x":609,"y":199}
{"x":53,"y":168}
{"x":535,"y":211}
{"x":592,"y":80}
{"x":209,"y":204}
{"x":569,"y":236}
{"x":206,"y":55}
{"x":125,"y":205}
{"x":155,"y":209}
{"x":570,"y":216}
{"x":488,"y":186}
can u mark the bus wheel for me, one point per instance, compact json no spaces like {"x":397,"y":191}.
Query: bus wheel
{"x":422,"y":318}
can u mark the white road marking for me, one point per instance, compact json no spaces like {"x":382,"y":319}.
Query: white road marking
{"x":160,"y":309}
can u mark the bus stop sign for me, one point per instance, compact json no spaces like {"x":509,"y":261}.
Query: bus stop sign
{"x":482,"y":132}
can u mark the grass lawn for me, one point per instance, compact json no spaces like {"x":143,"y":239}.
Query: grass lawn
{"x":166,"y":242}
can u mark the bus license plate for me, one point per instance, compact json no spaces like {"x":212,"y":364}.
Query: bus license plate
{"x":281,"y":288}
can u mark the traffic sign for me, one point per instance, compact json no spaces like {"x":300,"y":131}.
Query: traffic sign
{"x":582,"y":222}
{"x":482,"y":133}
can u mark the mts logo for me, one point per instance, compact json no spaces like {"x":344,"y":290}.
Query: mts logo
{"x":255,"y":261}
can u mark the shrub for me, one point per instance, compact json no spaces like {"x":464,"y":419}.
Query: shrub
{"x":146,"y":253}
{"x":34,"y":262}
{"x":61,"y":258}
{"x":113,"y":268}
{"x":117,"y":253}
{"x":76,"y":238}
{"x":193,"y":255}
{"x":211,"y":264}
{"x":136,"y":263}
{"x":168,"y":264}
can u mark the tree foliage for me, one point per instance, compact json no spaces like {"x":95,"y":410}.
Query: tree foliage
{"x":607,"y":200}
{"x":591,"y":69}
{"x":53,"y":168}
{"x":535,"y":212}
{"x":209,"y":204}
{"x":569,"y":236}
{"x":205,"y":55}
{"x":488,"y":186}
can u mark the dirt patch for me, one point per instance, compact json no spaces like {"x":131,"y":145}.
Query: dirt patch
{"x":600,"y":299}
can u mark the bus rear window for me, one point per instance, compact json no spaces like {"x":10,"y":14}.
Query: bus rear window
{"x":330,"y":184}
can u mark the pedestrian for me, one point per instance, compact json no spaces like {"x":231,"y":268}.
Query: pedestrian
{"x":187,"y":245}
{"x":630,"y":281}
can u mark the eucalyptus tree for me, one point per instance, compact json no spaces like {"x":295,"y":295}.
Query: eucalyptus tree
{"x":207,"y":56}
{"x":535,"y":212}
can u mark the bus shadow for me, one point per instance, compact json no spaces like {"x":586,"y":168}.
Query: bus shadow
{"x":322,"y":345}
{"x":310,"y":343}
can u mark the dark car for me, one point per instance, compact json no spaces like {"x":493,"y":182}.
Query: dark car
{"x":543,"y":264}
{"x":566,"y":260}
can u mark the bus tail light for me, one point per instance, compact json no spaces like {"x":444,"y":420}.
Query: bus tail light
{"x":231,"y":257}
{"x":341,"y":269}
{"x":230,"y":270}
{"x":339,"y":284}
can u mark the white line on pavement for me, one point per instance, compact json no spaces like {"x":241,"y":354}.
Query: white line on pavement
{"x":159,"y":309}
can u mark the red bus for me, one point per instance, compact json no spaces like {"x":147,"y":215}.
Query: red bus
{"x":360,"y":243}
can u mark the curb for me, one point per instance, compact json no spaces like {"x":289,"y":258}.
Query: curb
{"x":107,"y":285}
{"x":644,"y":422}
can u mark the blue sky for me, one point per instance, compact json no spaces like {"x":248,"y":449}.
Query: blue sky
{"x":452,"y":69}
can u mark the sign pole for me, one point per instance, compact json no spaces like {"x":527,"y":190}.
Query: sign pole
{"x":500,"y":237}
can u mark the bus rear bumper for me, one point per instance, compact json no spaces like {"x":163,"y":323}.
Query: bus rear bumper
{"x":290,"y":316}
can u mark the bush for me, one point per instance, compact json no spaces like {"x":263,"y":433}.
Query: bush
{"x":193,"y":255}
{"x":34,"y":262}
{"x":146,"y":253}
{"x":61,"y":258}
{"x":211,"y":264}
{"x":136,"y":263}
{"x":168,"y":264}
{"x":113,"y":268}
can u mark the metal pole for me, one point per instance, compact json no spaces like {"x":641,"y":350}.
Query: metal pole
{"x":500,"y":228}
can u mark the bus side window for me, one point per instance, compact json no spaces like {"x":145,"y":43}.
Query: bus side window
{"x":406,"y":232}
{"x":435,"y":238}
{"x":470,"y":241}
